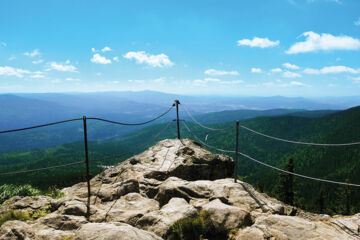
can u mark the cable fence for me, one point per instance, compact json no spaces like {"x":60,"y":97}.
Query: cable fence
{"x":191,"y":133}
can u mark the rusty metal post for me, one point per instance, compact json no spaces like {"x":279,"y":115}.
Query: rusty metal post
{"x":87,"y":166}
{"x":236,"y":151}
{"x":177,"y":118}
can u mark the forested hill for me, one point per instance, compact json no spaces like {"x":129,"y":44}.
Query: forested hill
{"x":336,"y":163}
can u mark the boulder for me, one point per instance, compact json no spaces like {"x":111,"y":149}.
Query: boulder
{"x":11,"y":230}
{"x":225,"y":217}
{"x":127,"y":209}
{"x":160,"y":221}
{"x":291,"y":228}
{"x":112,"y":231}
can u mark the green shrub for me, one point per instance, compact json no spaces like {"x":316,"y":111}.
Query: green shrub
{"x":192,"y":228}
{"x":15,"y":215}
{"x":54,"y":192}
{"x":9,"y":190}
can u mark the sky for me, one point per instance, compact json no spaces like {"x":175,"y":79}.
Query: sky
{"x":304,"y":48}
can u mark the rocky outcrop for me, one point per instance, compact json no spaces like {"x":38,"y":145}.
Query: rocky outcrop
{"x":144,"y":196}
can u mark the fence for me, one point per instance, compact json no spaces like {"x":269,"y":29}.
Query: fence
{"x":176,"y":104}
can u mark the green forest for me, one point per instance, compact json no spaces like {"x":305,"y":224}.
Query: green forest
{"x":333,"y":163}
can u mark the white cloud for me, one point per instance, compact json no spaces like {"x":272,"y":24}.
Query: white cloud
{"x":159,"y":80}
{"x":276,"y":70}
{"x":137,"y":81}
{"x":160,"y":60}
{"x":258,"y":42}
{"x":256,"y":70}
{"x":10,"y":71}
{"x":97,"y":58}
{"x":205,"y":81}
{"x":38,"y":75}
{"x":214,"y":72}
{"x":73,"y":79}
{"x":231,"y":82}
{"x":33,"y":53}
{"x":357,"y":22}
{"x":331,"y":70}
{"x":93,"y":50}
{"x":290,"y":66}
{"x":37,"y":61}
{"x":288,"y":74}
{"x":61,"y":67}
{"x":12,"y":58}
{"x":356,"y":79}
{"x":116,"y":59}
{"x":3,"y":44}
{"x":106,"y":49}
{"x":295,"y":83}
{"x":325,"y":42}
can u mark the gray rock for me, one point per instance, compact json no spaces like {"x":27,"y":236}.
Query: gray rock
{"x":225,"y":217}
{"x":113,"y":231}
{"x":160,"y":221}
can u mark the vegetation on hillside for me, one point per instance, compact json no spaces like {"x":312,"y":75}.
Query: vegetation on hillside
{"x":335,"y":163}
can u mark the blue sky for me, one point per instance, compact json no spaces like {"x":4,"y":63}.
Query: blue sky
{"x":244,"y":48}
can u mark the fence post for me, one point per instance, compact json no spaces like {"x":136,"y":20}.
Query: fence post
{"x":177,"y":118}
{"x":87,"y":166}
{"x":236,"y":151}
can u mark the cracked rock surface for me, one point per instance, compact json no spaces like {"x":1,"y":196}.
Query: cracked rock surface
{"x":142,"y":197}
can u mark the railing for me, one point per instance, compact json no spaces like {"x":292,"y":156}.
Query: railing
{"x":176,"y":104}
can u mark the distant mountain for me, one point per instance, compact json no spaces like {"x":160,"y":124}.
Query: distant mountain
{"x":233,"y":115}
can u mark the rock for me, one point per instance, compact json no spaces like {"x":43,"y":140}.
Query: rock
{"x":109,"y":192}
{"x":292,"y":227}
{"x":113,"y":231}
{"x":74,"y":207}
{"x":143,"y":197}
{"x":225,"y":217}
{"x":127,"y":209}
{"x":26,"y":204}
{"x":62,"y":222}
{"x":16,"y":230}
{"x":160,"y":221}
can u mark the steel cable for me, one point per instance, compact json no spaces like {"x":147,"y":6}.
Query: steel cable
{"x":201,"y":125}
{"x":39,"y":126}
{"x":136,"y":148}
{"x":42,"y":169}
{"x":205,"y":144}
{"x":133,"y":124}
{"x":296,"y":174}
{"x":303,"y":143}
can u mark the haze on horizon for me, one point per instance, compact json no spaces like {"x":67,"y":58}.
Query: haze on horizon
{"x":307,"y":48}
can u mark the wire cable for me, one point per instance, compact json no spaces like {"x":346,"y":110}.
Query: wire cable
{"x":201,"y":125}
{"x":296,"y":174}
{"x":39,"y":126}
{"x":42,"y":169}
{"x":133,"y":124}
{"x":303,"y":143}
{"x":136,"y":148}
{"x":205,"y":144}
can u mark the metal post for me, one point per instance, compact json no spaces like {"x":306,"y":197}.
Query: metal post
{"x":177,"y":117}
{"x":87,"y":166}
{"x":236,"y":150}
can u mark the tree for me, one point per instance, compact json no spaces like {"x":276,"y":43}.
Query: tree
{"x":321,"y":201}
{"x":286,"y":191}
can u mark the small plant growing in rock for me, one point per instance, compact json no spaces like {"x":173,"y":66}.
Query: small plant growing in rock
{"x":192,"y":228}
{"x":15,"y":215}
{"x":9,"y":190}
{"x":54,"y":192}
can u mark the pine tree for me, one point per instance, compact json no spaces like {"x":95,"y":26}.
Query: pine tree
{"x":321,"y":201}
{"x":286,"y":191}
